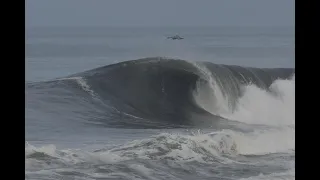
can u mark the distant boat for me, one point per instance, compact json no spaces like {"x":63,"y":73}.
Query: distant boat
{"x":176,"y":37}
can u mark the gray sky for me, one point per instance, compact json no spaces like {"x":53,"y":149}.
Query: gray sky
{"x":159,"y":13}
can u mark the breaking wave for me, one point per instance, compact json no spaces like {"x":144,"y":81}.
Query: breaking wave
{"x":160,"y":92}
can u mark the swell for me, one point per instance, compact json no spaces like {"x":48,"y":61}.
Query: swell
{"x":163,"y":90}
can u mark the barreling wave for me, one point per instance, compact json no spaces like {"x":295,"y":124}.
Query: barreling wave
{"x":169,"y":90}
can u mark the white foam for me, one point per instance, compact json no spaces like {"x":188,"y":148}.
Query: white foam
{"x":66,"y":156}
{"x":262,"y":142}
{"x":60,"y":156}
{"x":31,"y":163}
{"x":211,"y":146}
{"x":201,"y":148}
{"x":258,"y":106}
{"x":105,"y":157}
{"x":288,"y":175}
{"x":222,"y":146}
{"x":48,"y":149}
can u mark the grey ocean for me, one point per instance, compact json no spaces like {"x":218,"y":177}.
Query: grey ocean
{"x":128,"y":103}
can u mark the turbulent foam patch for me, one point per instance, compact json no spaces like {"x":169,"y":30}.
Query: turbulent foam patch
{"x":185,"y":148}
{"x":200,"y":148}
{"x":274,"y":107}
{"x":48,"y":156}
{"x":206,"y":148}
{"x":288,"y":175}
{"x":261,"y":142}
{"x":221,"y":148}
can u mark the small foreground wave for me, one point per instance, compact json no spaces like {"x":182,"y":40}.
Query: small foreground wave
{"x":189,"y":153}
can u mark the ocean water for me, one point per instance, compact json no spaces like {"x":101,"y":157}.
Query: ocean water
{"x":128,"y":103}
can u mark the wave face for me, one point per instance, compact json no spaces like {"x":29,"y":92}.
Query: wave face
{"x":166,"y":91}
